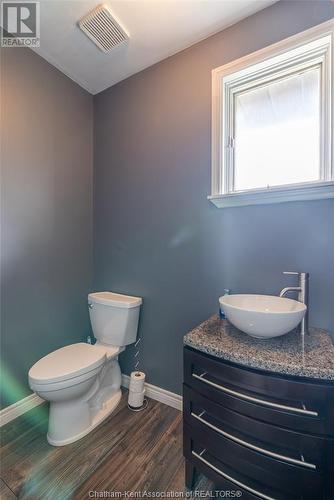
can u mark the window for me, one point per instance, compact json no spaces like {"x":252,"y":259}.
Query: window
{"x":271,"y":123}
{"x":277,"y":132}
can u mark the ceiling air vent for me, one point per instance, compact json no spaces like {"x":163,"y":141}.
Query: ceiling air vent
{"x":101,"y":27}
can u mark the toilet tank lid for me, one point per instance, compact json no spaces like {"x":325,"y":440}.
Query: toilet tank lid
{"x":114,"y":299}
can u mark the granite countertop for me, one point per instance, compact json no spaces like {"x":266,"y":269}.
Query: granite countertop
{"x":286,"y":354}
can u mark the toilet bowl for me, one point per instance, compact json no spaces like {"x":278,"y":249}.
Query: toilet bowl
{"x":81,"y":381}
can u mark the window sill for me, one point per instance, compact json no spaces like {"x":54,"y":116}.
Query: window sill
{"x":319,"y":191}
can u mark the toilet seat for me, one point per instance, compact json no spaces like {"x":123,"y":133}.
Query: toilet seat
{"x":68,"y":363}
{"x":41,"y":387}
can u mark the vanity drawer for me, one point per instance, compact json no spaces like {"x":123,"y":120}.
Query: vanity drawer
{"x":221,"y":484}
{"x":260,"y":476}
{"x":284,"y":401}
{"x":290,"y":447}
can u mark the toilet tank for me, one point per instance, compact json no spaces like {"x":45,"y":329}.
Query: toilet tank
{"x":114,"y":317}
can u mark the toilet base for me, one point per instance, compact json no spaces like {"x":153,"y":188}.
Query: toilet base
{"x":108,"y":407}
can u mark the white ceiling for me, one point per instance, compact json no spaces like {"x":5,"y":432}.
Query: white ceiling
{"x":157,"y":29}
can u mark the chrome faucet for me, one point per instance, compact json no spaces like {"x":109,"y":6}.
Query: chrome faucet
{"x":302,"y":290}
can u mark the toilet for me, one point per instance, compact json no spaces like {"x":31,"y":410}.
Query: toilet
{"x":81,"y":381}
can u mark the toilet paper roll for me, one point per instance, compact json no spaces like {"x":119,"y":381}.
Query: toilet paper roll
{"x":136,"y":399}
{"x":137,"y":381}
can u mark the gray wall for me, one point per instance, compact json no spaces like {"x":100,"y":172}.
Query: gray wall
{"x":157,"y":236}
{"x":46,"y":238}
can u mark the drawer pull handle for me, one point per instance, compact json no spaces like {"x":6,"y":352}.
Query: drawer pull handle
{"x":252,"y":446}
{"x":229,"y":478}
{"x":255,"y":400}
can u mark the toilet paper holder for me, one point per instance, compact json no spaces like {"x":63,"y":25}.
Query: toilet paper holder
{"x":136,"y":386}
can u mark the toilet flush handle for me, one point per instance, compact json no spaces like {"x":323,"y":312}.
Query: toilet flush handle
{"x":90,"y":305}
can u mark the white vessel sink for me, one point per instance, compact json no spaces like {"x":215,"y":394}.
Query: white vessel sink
{"x":262,"y":316}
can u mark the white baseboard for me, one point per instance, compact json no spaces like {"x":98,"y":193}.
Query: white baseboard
{"x":157,"y":393}
{"x":18,"y":408}
{"x":152,"y":391}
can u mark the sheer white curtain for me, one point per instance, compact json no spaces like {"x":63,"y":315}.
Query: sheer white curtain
{"x":277,"y":129}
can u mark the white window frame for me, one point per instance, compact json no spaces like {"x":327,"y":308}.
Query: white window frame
{"x":282,"y":58}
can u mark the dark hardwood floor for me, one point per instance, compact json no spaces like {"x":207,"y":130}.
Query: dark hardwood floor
{"x":128,"y":452}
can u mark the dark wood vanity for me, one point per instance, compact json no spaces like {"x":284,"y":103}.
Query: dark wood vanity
{"x":264,"y":434}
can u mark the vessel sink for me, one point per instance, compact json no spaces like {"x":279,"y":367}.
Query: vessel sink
{"x":262,"y":316}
